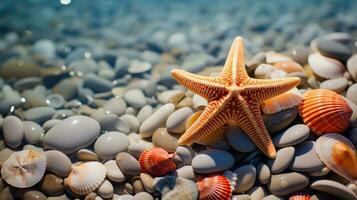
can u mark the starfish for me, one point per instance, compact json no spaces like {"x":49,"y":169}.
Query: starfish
{"x":233,"y":100}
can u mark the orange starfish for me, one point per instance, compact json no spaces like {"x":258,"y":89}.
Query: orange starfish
{"x":233,"y":99}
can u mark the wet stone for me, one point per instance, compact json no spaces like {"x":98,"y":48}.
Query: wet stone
{"x":292,"y":136}
{"x":306,"y":159}
{"x":287,"y":183}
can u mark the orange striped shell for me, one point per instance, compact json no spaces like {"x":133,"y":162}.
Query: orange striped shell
{"x":214,"y":187}
{"x":338,"y":154}
{"x":325,"y":111}
{"x":157,"y":162}
{"x":288,"y":66}
{"x":300,"y":197}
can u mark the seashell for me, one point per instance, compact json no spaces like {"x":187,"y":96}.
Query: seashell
{"x":24,"y":169}
{"x":325,"y":67}
{"x":86,"y":177}
{"x":274,"y":57}
{"x":338,"y":154}
{"x":321,"y":107}
{"x":300,"y":197}
{"x":214,"y":186}
{"x":157,"y":162}
{"x":288,"y":66}
{"x":266,"y":71}
{"x":282,"y":102}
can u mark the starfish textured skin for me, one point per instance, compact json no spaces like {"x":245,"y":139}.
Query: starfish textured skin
{"x":233,"y":100}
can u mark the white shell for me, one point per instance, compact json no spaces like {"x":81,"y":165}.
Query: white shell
{"x":281,"y":102}
{"x":325,"y":67}
{"x":24,"y":169}
{"x":86,"y":177}
{"x":343,"y":161}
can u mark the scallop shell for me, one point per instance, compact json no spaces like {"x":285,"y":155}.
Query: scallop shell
{"x":215,"y":186}
{"x":325,"y":67}
{"x":288,"y":66}
{"x":338,"y":154}
{"x":325,"y":111}
{"x":24,"y":169}
{"x":300,"y":197}
{"x":282,"y":102}
{"x":86,"y":177}
{"x":157,"y":162}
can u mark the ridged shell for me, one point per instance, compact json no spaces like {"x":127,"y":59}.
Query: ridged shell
{"x":338,"y":154}
{"x":282,"y":102}
{"x":86,"y":177}
{"x":300,"y":197}
{"x":24,"y":169}
{"x":325,"y":111}
{"x":214,"y":187}
{"x":157,"y":162}
{"x":325,"y":67}
{"x":288,"y":66}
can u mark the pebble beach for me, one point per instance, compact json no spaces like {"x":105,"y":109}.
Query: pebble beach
{"x":89,"y":108}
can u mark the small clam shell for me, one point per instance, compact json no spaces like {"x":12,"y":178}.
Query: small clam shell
{"x":214,"y":187}
{"x":325,"y":67}
{"x":288,"y":66}
{"x":157,"y":162}
{"x":338,"y":154}
{"x":86,"y":177}
{"x":274,"y":57}
{"x":24,"y":169}
{"x":300,"y":197}
{"x":320,"y":107}
{"x":281,"y":102}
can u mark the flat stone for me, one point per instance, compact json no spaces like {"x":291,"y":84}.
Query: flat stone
{"x":128,"y":164}
{"x":144,"y":113}
{"x":39,"y":114}
{"x":292,"y":136}
{"x":283,"y":159}
{"x":212,"y":160}
{"x":109,"y":144}
{"x":239,"y":140}
{"x":176,"y":121}
{"x":135,"y":98}
{"x":13,"y":131}
{"x":246,"y":176}
{"x":287,"y":183}
{"x":334,"y":188}
{"x":96,"y":83}
{"x":278,"y":121}
{"x":333,"y":49}
{"x":171,"y":96}
{"x":115,"y":105}
{"x":306,"y":159}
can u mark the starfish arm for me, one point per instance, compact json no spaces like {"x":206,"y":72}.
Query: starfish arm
{"x":234,"y":71}
{"x":209,"y":121}
{"x":263,"y":89}
{"x":251,"y":122}
{"x":204,"y":86}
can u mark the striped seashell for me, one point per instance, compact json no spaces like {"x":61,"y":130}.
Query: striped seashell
{"x":86,"y":177}
{"x":24,"y":169}
{"x":325,"y":111}
{"x":282,"y":102}
{"x":288,"y":66}
{"x":300,"y":197}
{"x":157,"y":162}
{"x":216,"y":186}
{"x":338,"y":154}
{"x":324,"y":67}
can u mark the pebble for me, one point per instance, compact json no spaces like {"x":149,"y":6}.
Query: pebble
{"x":5,"y":154}
{"x":109,"y":144}
{"x":67,"y":88}
{"x":212,"y":160}
{"x":106,"y":190}
{"x":176,"y":121}
{"x":324,"y":67}
{"x":352,"y":93}
{"x":27,"y":83}
{"x":143,"y":196}
{"x":287,"y":183}
{"x":171,"y":96}
{"x":336,"y":84}
{"x":128,"y":164}
{"x":113,"y":172}
{"x":97,"y":84}
{"x":115,"y":105}
{"x":162,"y":138}
{"x":186,"y":172}
{"x":45,"y":49}
{"x":137,"y":67}
{"x":148,"y":182}
{"x":50,"y":123}
{"x":144,"y":113}
{"x":176,"y":188}
{"x":239,"y":141}
{"x":283,"y":159}
{"x":112,"y":122}
{"x":199,"y":102}
{"x":137,"y":185}
{"x":55,"y":100}
{"x":58,"y":163}
{"x":263,"y":173}
{"x":6,"y":194}
{"x":352,"y":66}
{"x":292,"y":136}
{"x":132,"y":121}
{"x":257,"y":192}
{"x":156,"y":120}
{"x":272,"y":197}
{"x":241,"y":197}
{"x":278,"y":121}
{"x":52,"y":185}
{"x":333,"y":49}
{"x":34,"y":195}
{"x":32,"y":132}
{"x":39,"y":114}
{"x":13,"y":131}
{"x":185,"y":153}
{"x":137,"y":148}
{"x":306,"y":159}
{"x":334,"y":188}
{"x":18,"y":68}
{"x":246,"y":175}
{"x":87,"y":155}
{"x":72,"y":134}
{"x":135,"y":98}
